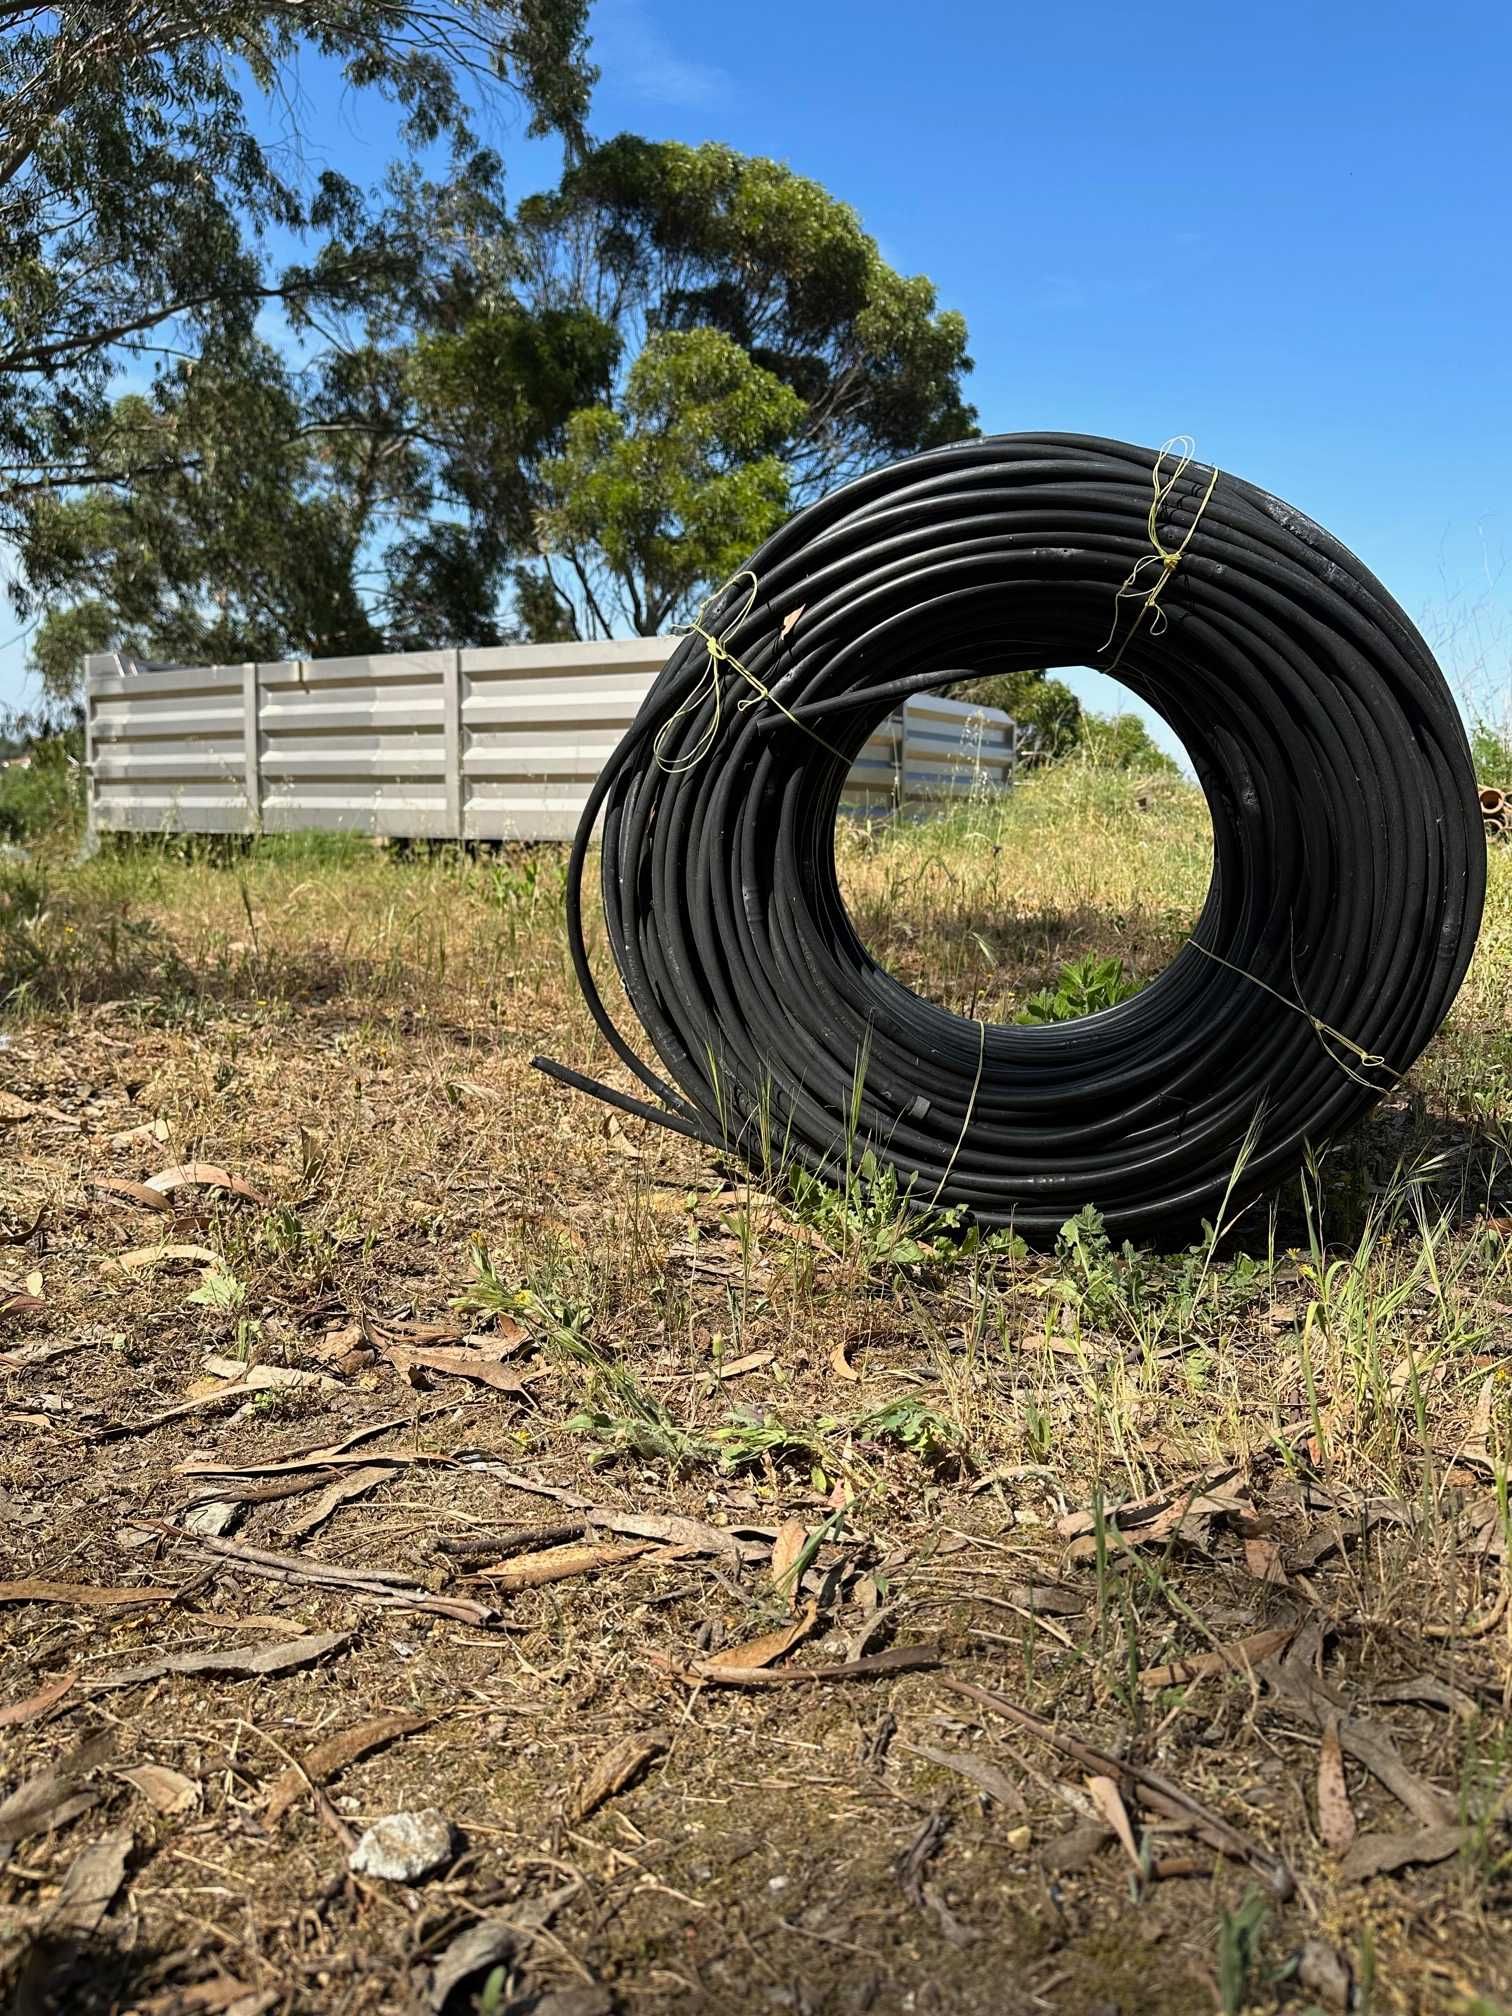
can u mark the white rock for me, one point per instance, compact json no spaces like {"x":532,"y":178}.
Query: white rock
{"x":404,"y":1847}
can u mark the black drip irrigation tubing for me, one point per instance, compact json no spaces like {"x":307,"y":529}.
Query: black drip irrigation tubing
{"x":1348,"y":857}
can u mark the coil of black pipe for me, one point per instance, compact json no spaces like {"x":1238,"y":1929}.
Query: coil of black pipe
{"x":1348,"y":864}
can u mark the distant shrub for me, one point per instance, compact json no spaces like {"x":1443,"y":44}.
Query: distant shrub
{"x":1122,"y":742}
{"x":1062,"y":727}
{"x":43,"y":800}
{"x":1491,"y":752}
{"x":23,"y":917}
{"x":1046,"y":706}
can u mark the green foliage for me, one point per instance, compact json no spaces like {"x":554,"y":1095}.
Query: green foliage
{"x":762,"y":350}
{"x":1046,"y":706}
{"x":924,"y":1431}
{"x":1240,"y":1933}
{"x":45,"y":800}
{"x":866,"y":1216}
{"x":1061,"y":726}
{"x":1085,"y":986}
{"x":566,"y":423}
{"x":1094,"y":1280}
{"x":673,"y":488}
{"x":23,"y":922}
{"x":682,"y":237}
{"x":1123,"y":742}
{"x":164,"y":263}
{"x":1491,"y":752}
{"x":240,"y":547}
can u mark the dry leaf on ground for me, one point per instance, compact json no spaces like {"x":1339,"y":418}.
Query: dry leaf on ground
{"x":89,"y":1889}
{"x":769,"y":1647}
{"x":1427,"y":1690}
{"x":486,"y":1942}
{"x":1263,"y":1560}
{"x":148,"y":1134}
{"x":206,"y":1175}
{"x":369,"y":1585}
{"x":560,"y":1564}
{"x":617,"y":1768}
{"x":787,"y":1551}
{"x":986,"y":1777}
{"x":17,"y":1712}
{"x":141,"y":1257}
{"x":131,"y":1193}
{"x":333,"y":1755}
{"x":16,"y":1109}
{"x":1186,"y":1515}
{"x":222,"y":1995}
{"x":1162,"y":1795}
{"x":321,"y":1455}
{"x":1381,"y":1854}
{"x":673,"y":1529}
{"x":81,"y":1596}
{"x":457,"y":1361}
{"x":263,"y":1378}
{"x":234,"y":1389}
{"x":897,"y":1659}
{"x":169,"y":1791}
{"x":341,"y":1489}
{"x":1342,"y":1529}
{"x":232,"y":1662}
{"x":736,"y":1368}
{"x":41,"y":1351}
{"x":1292,"y":1681}
{"x":52,"y":1797}
{"x":1336,"y":1820}
{"x":1105,"y":1796}
{"x":1237,"y":1657}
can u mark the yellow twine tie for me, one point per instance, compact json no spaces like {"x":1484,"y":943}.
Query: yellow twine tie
{"x":1324,"y":1031}
{"x":1164,"y":559}
{"x":717,"y":644}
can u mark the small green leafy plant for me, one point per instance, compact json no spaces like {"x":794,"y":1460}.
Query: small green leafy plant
{"x":930,"y":1435}
{"x":1085,"y":986}
{"x":1240,"y":1934}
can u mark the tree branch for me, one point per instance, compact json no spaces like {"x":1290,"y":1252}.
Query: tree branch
{"x":42,"y":356}
{"x":588,"y":595}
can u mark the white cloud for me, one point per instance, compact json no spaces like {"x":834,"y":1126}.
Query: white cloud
{"x":638,"y":59}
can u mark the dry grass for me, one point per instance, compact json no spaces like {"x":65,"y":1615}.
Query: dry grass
{"x":350,"y":1031}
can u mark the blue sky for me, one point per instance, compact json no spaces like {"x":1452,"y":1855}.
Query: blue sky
{"x":1282,"y":230}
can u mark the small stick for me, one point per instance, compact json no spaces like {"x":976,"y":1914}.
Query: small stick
{"x":1152,"y":1790}
{"x":516,"y":1540}
{"x":372,"y":1585}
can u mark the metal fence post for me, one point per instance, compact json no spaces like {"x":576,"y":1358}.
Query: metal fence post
{"x":451,"y":729}
{"x":251,"y":749}
{"x":91,"y":825}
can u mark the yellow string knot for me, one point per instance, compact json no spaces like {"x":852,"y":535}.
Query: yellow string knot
{"x":716,"y":643}
{"x":1165,"y":559}
{"x":1327,"y":1035}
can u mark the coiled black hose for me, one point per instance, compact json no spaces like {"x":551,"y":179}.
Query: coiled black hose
{"x":1348,"y":869}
